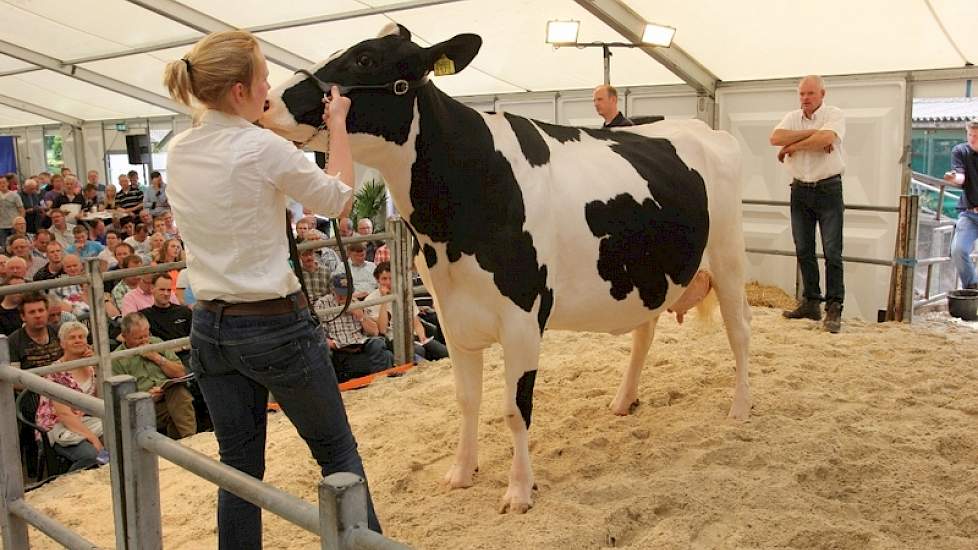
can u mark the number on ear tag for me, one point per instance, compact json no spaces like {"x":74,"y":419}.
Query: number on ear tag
{"x":444,"y":66}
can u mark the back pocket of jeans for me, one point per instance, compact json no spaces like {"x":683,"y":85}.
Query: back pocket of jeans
{"x":281,"y":359}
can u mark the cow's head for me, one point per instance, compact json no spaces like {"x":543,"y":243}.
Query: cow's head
{"x":382,"y":77}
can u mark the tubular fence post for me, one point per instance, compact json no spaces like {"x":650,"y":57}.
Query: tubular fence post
{"x":113,"y":389}
{"x":911,"y":254}
{"x":328,"y":517}
{"x":14,"y":529}
{"x":403,"y":317}
{"x":142,"y":484}
{"x":118,"y":387}
{"x":349,"y":494}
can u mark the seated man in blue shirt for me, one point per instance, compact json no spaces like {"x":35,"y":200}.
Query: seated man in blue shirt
{"x":83,"y":247}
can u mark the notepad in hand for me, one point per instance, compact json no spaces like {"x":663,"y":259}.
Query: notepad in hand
{"x":178,"y":380}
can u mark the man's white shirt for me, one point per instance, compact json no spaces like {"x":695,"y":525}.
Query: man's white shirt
{"x":816,"y":165}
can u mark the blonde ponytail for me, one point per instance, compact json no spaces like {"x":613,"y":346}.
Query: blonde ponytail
{"x":215,"y":64}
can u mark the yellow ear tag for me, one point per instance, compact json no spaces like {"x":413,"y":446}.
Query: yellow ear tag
{"x":444,"y":66}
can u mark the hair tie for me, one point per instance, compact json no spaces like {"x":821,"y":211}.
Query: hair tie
{"x":187,"y":63}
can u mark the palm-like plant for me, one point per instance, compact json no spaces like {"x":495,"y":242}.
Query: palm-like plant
{"x":370,"y":202}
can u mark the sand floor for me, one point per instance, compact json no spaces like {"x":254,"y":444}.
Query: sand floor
{"x":861,"y":440}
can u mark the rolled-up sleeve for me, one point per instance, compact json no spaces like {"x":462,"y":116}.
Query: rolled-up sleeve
{"x":298,"y":177}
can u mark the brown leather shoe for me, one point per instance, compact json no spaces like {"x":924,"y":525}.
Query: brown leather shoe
{"x":807,"y":309}
{"x":833,"y":317}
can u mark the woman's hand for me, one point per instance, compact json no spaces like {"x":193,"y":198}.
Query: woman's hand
{"x":336,"y":109}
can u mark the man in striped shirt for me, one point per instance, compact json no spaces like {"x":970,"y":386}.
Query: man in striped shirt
{"x":130,"y":198}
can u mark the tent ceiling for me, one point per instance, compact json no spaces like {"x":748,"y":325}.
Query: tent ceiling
{"x":767,"y":39}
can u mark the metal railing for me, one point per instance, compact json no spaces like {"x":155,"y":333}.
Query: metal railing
{"x":930,"y":183}
{"x":129,"y":423}
{"x":896,"y":310}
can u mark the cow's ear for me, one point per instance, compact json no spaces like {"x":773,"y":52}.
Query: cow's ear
{"x":452,"y":55}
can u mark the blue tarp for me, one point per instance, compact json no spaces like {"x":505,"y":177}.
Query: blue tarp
{"x":8,"y":155}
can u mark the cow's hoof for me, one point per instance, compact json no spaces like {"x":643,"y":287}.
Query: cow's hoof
{"x":740,"y":410}
{"x":517,"y":501}
{"x":460,"y":477}
{"x":624,"y":407}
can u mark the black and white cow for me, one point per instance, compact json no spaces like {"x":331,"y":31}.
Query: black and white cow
{"x":524,"y":225}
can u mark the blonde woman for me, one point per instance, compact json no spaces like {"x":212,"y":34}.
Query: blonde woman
{"x":252,"y":328}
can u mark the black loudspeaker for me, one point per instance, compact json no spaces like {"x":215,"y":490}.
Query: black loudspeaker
{"x":138,"y":149}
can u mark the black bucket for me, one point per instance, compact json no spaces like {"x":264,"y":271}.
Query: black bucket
{"x":963,"y":304}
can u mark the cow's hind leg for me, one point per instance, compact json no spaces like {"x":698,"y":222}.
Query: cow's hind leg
{"x":729,"y":284}
{"x":521,"y":350}
{"x":467,"y":368}
{"x":627,"y":397}
{"x":524,"y":396}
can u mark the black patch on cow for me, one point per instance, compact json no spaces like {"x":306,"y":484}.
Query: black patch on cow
{"x":524,"y":395}
{"x":531,"y":142}
{"x":563,"y":134}
{"x":546,"y":304}
{"x":642,"y":243}
{"x":464,"y":194}
{"x":430,"y":257}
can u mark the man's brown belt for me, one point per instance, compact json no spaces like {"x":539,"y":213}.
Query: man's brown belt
{"x":276,"y":306}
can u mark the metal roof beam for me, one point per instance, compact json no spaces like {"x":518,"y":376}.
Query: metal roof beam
{"x":175,"y":11}
{"x":40,"y":111}
{"x":380,"y":10}
{"x":91,"y":77}
{"x":631,"y":25}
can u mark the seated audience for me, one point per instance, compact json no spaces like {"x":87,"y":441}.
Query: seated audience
{"x":34,"y":344}
{"x":171,"y":231}
{"x":56,"y":314}
{"x":15,"y":267}
{"x":365,"y":226}
{"x":315,"y":275}
{"x":10,"y":320}
{"x":141,"y":297}
{"x":107,"y":258}
{"x":41,"y":241}
{"x":21,"y":248}
{"x":153,"y":372}
{"x":74,"y":434}
{"x":60,"y":229}
{"x":54,"y":267}
{"x":139,"y":241}
{"x":156,"y":244}
{"x":425,"y":345}
{"x":83,"y":247}
{"x":124,"y":286}
{"x":351,"y":337}
{"x":363,"y":271}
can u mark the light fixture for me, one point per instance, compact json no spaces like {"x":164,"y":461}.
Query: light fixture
{"x":658,"y":35}
{"x":562,"y":32}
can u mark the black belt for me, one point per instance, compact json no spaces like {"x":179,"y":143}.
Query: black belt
{"x":275,"y":306}
{"x":830,"y":179}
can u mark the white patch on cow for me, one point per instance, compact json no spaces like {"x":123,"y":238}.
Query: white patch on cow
{"x":390,"y":29}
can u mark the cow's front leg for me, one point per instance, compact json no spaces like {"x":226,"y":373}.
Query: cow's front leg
{"x":627,"y":397}
{"x":521,"y":354}
{"x":467,"y":368}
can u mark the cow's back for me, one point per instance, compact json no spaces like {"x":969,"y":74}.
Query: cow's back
{"x":593,"y":210}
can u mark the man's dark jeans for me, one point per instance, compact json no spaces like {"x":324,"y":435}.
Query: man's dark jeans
{"x":237,"y":361}
{"x":820,"y":205}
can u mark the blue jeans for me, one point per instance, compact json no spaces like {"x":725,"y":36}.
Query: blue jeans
{"x":965,"y":235}
{"x":81,"y":456}
{"x":237,"y":361}
{"x":820,"y":205}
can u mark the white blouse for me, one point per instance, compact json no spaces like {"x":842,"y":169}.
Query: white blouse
{"x":228,"y":187}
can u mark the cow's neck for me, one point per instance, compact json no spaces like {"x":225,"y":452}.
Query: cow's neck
{"x":440,"y":122}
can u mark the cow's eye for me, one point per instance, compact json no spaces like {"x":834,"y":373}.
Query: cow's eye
{"x":365,"y":61}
